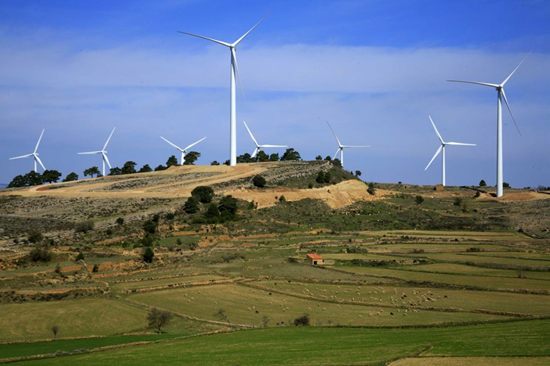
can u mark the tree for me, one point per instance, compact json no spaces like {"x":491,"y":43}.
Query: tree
{"x":129,"y":167}
{"x":148,"y":255}
{"x":318,"y":157}
{"x":159,"y":168}
{"x":40,"y":254}
{"x":191,"y":205}
{"x":120,"y":221}
{"x":96,"y":268}
{"x":222,"y":315}
{"x":71,"y":177}
{"x":274,"y":157}
{"x":80,"y":256}
{"x":482,"y":183}
{"x":258,"y":181}
{"x":150,"y":226}
{"x":505,"y":185}
{"x":265,"y":321}
{"x":328,"y":177}
{"x":203,"y":193}
{"x":244,"y":158}
{"x":228,"y":207}
{"x":262,"y":156}
{"x":215,"y":162}
{"x":358,"y":173}
{"x":33,"y":178}
{"x":145,"y":169}
{"x":372,"y":189}
{"x":172,"y":160}
{"x":17,"y":181}
{"x":212,"y":212}
{"x":191,"y":157}
{"x":51,"y":176}
{"x":35,"y":237}
{"x":419,"y":199}
{"x":291,"y":155}
{"x":337,"y":162}
{"x":320,"y":177}
{"x":55,"y":330}
{"x":115,"y":171}
{"x":302,"y":320}
{"x":159,"y":318}
{"x":328,"y":158}
{"x":91,"y":171}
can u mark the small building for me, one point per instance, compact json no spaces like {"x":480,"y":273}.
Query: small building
{"x":314,"y":259}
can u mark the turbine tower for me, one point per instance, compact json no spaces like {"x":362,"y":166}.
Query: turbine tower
{"x":103,"y":153}
{"x":233,"y":102}
{"x":34,"y":155}
{"x":442,"y":149}
{"x":500,"y":95}
{"x":258,"y":146}
{"x":182,"y":151}
{"x":341,"y":147}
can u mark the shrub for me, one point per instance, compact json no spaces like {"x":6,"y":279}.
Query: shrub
{"x":302,"y":320}
{"x":84,"y":226}
{"x":458,"y":201}
{"x":228,"y":207}
{"x":150,"y":226}
{"x":203,"y":194}
{"x":505,"y":185}
{"x":170,"y":216}
{"x":478,"y":193}
{"x":372,"y":189}
{"x":419,"y":199}
{"x":147,"y":240}
{"x":258,"y":181}
{"x":320,"y":177}
{"x":80,"y":256}
{"x":212,"y":212}
{"x":55,"y":330}
{"x":96,"y":268}
{"x":35,"y":237}
{"x":58,"y":268}
{"x":482,"y":183}
{"x":282,"y":199}
{"x":148,"y":255}
{"x":328,"y":177}
{"x":40,"y":254}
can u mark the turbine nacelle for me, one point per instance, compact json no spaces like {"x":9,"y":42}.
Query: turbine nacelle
{"x":34,"y":154}
{"x":103,"y":152}
{"x":342,"y":147}
{"x":258,"y":146}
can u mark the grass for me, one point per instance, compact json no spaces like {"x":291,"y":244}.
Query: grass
{"x":248,"y":306}
{"x":75,"y":318}
{"x":164,"y":282}
{"x":329,"y":346}
{"x":464,"y":269}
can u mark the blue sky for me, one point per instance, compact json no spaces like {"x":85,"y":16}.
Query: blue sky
{"x":374,"y":69}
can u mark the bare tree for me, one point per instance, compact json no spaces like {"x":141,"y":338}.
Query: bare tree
{"x":221,"y":314}
{"x":55,"y":329}
{"x":159,"y":318}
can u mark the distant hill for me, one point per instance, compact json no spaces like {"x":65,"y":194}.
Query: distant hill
{"x":3,"y":185}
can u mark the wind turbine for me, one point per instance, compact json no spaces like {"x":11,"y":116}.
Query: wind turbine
{"x":233,"y":103}
{"x":500,"y":95}
{"x":103,"y":153}
{"x":342,"y":147}
{"x":258,"y":146}
{"x":34,"y":154}
{"x":183,"y":151}
{"x":442,"y":148}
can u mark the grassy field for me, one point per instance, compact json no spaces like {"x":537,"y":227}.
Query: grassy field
{"x":331,"y":346}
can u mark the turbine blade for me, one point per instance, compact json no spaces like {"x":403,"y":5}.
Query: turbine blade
{"x":22,"y":156}
{"x":109,"y":139}
{"x":337,"y":151}
{"x":193,"y":144}
{"x":106,"y":159}
{"x":177,"y":147}
{"x":38,"y":143}
{"x":89,"y":152}
{"x":459,"y":144}
{"x":339,"y":143}
{"x":510,"y":110}
{"x":436,"y":131}
{"x":256,"y":150}
{"x":436,"y":153}
{"x":509,"y":76}
{"x":208,"y":39}
{"x":474,"y":82}
{"x":251,"y":29}
{"x":251,"y":135}
{"x":40,"y":162}
{"x":272,"y":146}
{"x":234,"y":56}
{"x":351,"y":146}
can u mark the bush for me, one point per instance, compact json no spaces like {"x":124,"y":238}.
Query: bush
{"x":80,"y":256}
{"x":282,"y":199}
{"x":506,"y":185}
{"x":35,"y":237}
{"x":458,"y":201}
{"x":120,"y":221}
{"x":212,"y":212}
{"x":170,"y":216}
{"x":40,"y":254}
{"x":96,"y":268}
{"x":320,"y":177}
{"x":302,"y":320}
{"x":228,"y":207}
{"x":419,"y":199}
{"x":328,"y":177}
{"x":482,"y":183}
{"x":372,"y":189}
{"x":478,"y":193}
{"x":203,"y":194}
{"x":84,"y":226}
{"x":258,"y":181}
{"x":148,"y":255}
{"x":150,"y":226}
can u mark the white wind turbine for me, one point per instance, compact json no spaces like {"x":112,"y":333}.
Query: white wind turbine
{"x":341,"y":147}
{"x":182,"y":151}
{"x":500,"y":95}
{"x":103,"y":153}
{"x":34,"y":154}
{"x":258,"y":146}
{"x":442,"y":149}
{"x":233,"y":103}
